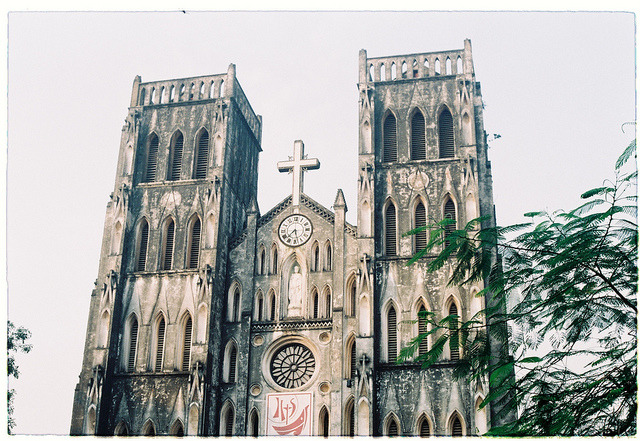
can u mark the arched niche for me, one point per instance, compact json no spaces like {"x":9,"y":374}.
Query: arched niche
{"x":363,"y":418}
{"x":128,"y":159}
{"x":467,"y":129}
{"x":470,"y":207}
{"x":117,"y":237}
{"x":292,"y":261}
{"x":210,"y":231}
{"x":366,"y":137}
{"x":365,"y":220}
{"x":364,"y":316}
{"x":217,"y":150}
{"x":192,"y":427}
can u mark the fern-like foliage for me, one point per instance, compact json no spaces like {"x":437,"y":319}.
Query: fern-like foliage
{"x":570,"y":331}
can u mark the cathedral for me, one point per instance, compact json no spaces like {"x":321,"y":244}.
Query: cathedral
{"x":210,"y":317}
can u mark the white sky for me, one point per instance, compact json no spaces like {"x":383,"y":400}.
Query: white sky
{"x":557,"y":88}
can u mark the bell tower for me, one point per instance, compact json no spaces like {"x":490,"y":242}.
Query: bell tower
{"x":422,"y":157}
{"x":186,"y":182}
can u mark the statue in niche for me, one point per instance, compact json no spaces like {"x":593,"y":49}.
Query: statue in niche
{"x":295,"y":293}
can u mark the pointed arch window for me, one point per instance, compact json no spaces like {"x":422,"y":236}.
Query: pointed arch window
{"x":315,"y":299}
{"x":202,"y":156}
{"x":133,"y":344}
{"x":274,"y":259}
{"x":351,"y":357}
{"x":392,"y":335}
{"x":420,"y":220}
{"x":272,"y":306}
{"x":327,"y":257}
{"x":456,"y":426}
{"x":351,"y":296}
{"x":177,"y":429}
{"x":315,"y":257}
{"x":449,"y":213}
{"x":349,"y":418}
{"x":121,"y":429}
{"x":194,"y":243}
{"x":392,"y":430}
{"x":390,"y":143}
{"x":390,"y":230}
{"x":186,"y":343}
{"x":143,"y":245}
{"x":228,"y":421}
{"x":152,"y":159}
{"x":259,"y":307}
{"x":169,"y":236}
{"x":160,"y":334}
{"x":454,"y":344}
{"x":327,"y":302}
{"x":234,"y":304}
{"x":149,"y":429}
{"x":423,"y":428}
{"x":261,"y":261}
{"x":175,"y":167}
{"x":324,"y":422}
{"x":254,"y":424}
{"x":418,"y":143}
{"x":423,"y":348}
{"x":445,"y":134}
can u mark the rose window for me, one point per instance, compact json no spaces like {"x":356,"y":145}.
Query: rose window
{"x":292,"y":365}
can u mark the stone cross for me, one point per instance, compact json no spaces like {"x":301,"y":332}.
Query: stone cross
{"x":298,"y":165}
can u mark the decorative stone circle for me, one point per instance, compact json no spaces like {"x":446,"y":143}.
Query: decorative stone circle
{"x":258,"y":340}
{"x":292,"y":365}
{"x":256,"y":389}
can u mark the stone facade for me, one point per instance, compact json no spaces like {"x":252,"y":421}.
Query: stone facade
{"x":209,"y":318}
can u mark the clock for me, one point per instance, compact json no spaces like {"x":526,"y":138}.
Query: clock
{"x":295,"y":230}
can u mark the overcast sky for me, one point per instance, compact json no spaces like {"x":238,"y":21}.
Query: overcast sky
{"x":557,"y":87}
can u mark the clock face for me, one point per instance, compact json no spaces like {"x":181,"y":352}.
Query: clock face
{"x":295,"y":230}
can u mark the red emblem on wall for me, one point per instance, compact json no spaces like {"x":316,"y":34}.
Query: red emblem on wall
{"x":289,"y":414}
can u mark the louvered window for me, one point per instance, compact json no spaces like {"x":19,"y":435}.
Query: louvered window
{"x":420,"y":221}
{"x":351,"y":305}
{"x":449,"y":213}
{"x":160,"y":345}
{"x":202,"y":156}
{"x":168,"y":246}
{"x":454,"y":345}
{"x":352,"y":360}
{"x":316,"y":257}
{"x":392,"y":336}
{"x":176,"y":158}
{"x":445,"y":134}
{"x":425,"y":432}
{"x":194,"y":253}
{"x":393,"y":428}
{"x":186,"y":353}
{"x":273,"y":307}
{"x":350,"y":417}
{"x":133,"y":344}
{"x":260,"y":306}
{"x":328,"y":305}
{"x":390,"y":144}
{"x":390,"y":230}
{"x":228,"y":424}
{"x":152,"y":160}
{"x":418,"y":150}
{"x":144,"y":243}
{"x":315,"y":304}
{"x":456,"y":429}
{"x":422,"y":329}
{"x":274,"y":261}
{"x":233,"y":358}
{"x":235,"y":316}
